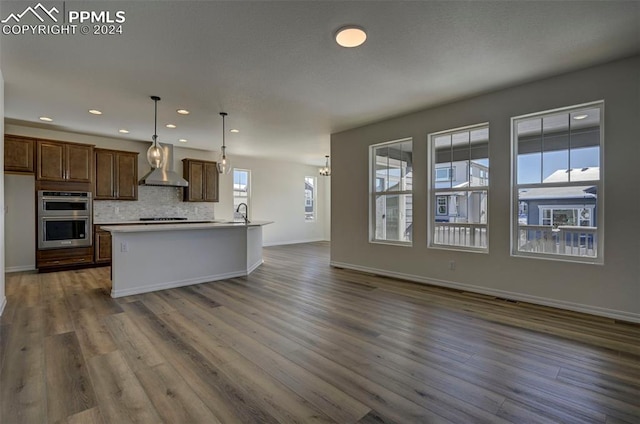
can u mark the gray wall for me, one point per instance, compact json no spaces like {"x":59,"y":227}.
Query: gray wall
{"x":612,"y":289}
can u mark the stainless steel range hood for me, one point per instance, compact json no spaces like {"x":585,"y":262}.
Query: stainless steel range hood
{"x":164,"y":176}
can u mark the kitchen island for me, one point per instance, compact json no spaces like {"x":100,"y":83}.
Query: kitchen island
{"x":148,"y":258}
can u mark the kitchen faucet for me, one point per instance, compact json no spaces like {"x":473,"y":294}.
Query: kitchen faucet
{"x":246,"y":212}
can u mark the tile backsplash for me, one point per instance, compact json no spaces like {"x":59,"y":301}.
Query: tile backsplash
{"x":153,"y":201}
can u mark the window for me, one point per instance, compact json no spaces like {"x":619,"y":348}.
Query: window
{"x":459,"y":188}
{"x":445,"y":174}
{"x":309,"y":199}
{"x":557,"y":186}
{"x":241,"y":188}
{"x":391,"y":211}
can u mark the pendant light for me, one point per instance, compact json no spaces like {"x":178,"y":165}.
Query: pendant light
{"x":326,"y":171}
{"x":224,"y":164}
{"x":155,"y":154}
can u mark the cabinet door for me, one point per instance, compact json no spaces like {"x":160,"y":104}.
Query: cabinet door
{"x":210,"y":182}
{"x":79,"y":160}
{"x":18,"y":155}
{"x":105,"y":175}
{"x":102,"y":246}
{"x":50,"y":160}
{"x":196,"y":181}
{"x":127,"y":176}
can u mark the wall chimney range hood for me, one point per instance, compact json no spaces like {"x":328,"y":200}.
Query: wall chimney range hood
{"x":164,"y":176}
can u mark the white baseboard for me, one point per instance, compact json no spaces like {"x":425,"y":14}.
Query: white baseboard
{"x":282,"y":243}
{"x":20,"y":268}
{"x":3,"y":303}
{"x":561,"y":304}
{"x":254,"y":266}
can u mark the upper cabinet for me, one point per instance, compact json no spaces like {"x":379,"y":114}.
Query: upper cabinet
{"x":203,"y":180}
{"x":68,"y":162}
{"x":18,"y":154}
{"x":116,"y":175}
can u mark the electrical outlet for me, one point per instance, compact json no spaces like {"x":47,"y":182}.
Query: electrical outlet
{"x":117,"y":209}
{"x":124,"y":247}
{"x":452,"y":265}
{"x":196,"y":209}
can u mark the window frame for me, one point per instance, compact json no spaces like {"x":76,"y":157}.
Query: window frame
{"x":515,"y":187}
{"x":248,"y":201}
{"x":434,"y":193}
{"x":314,"y":199}
{"x":373,"y":193}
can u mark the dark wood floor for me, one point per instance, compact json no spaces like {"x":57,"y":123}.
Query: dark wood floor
{"x":298,"y":341}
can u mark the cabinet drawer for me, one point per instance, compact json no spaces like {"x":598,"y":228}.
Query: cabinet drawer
{"x":65,"y":261}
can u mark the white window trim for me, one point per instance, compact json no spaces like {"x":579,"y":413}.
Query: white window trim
{"x":373,"y":192}
{"x":313,"y":200}
{"x":248,"y":202}
{"x":434,"y":192}
{"x":599,"y":260}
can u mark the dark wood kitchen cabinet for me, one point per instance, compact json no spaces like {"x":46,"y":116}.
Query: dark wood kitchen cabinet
{"x":203,"y":180}
{"x":19,"y":154}
{"x":116,"y":175}
{"x":64,"y":162}
{"x":58,"y":259}
{"x":102,"y":245}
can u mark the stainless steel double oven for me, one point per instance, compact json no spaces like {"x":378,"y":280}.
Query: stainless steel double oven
{"x":64,"y":219}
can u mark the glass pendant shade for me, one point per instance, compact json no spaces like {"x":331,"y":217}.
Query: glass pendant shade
{"x":224,"y":164}
{"x":155,"y":156}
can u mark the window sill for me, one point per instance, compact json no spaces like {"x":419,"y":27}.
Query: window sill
{"x":558,"y":258}
{"x":484,"y":250}
{"x":392,"y":243}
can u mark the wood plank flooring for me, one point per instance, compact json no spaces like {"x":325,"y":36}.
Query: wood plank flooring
{"x":300,"y":342}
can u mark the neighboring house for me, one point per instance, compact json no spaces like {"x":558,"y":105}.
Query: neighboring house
{"x":462,"y":206}
{"x":558,"y":206}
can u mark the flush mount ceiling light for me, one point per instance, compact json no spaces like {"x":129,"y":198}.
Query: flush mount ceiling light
{"x":170,"y":126}
{"x":580,"y":117}
{"x":155,"y":154}
{"x":123,"y":131}
{"x":45,"y":119}
{"x":235,"y":131}
{"x":95,"y":112}
{"x":183,"y":140}
{"x":224,"y":165}
{"x":350,"y":36}
{"x":325,"y":171}
{"x":183,"y":111}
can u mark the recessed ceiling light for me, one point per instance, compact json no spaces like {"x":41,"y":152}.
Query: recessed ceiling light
{"x":183,"y":140}
{"x":579,"y":117}
{"x":351,"y":36}
{"x":170,"y":126}
{"x":183,"y":111}
{"x":234,"y":131}
{"x":45,"y":119}
{"x":95,"y":112}
{"x":123,"y":131}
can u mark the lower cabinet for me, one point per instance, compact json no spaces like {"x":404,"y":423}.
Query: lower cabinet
{"x":54,"y":259}
{"x":102,"y":245}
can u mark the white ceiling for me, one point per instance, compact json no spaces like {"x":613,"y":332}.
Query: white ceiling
{"x":274,"y":67}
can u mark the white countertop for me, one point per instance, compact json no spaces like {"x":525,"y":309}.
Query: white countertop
{"x":139,"y":228}
{"x":137,"y":221}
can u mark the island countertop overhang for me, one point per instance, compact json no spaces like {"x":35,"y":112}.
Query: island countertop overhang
{"x":142,"y":228}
